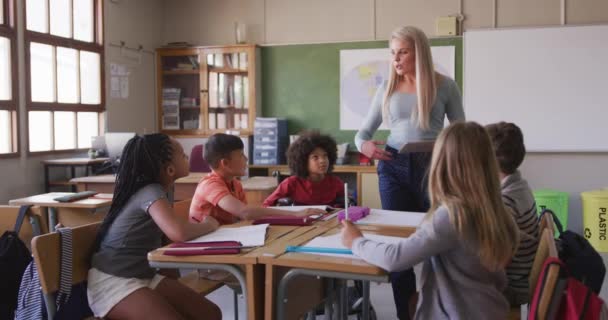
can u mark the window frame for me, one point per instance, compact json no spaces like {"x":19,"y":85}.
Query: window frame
{"x":96,"y":46}
{"x":8,"y":30}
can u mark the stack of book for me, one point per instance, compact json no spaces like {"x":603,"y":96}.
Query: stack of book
{"x":170,"y":105}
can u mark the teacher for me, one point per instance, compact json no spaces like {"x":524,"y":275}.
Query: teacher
{"x":413,"y":104}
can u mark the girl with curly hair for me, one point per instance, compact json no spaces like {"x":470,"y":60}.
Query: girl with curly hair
{"x":311,"y":160}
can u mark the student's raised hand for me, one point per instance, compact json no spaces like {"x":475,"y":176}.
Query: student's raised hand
{"x":350,"y":232}
{"x":212,"y":222}
{"x":370,"y":149}
{"x":309,"y":212}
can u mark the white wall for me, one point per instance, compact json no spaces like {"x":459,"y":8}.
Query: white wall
{"x":210,"y":22}
{"x":133,"y":21}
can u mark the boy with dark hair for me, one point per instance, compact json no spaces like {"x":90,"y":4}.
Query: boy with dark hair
{"x":510,"y":151}
{"x":220,"y":194}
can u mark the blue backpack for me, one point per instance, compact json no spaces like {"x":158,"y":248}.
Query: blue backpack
{"x":70,"y":301}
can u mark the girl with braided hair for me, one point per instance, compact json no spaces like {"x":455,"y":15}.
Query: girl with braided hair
{"x":121,"y":284}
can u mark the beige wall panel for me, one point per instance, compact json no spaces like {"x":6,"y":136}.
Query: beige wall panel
{"x":586,"y":11}
{"x":211,"y":22}
{"x":478,"y":14}
{"x":296,"y":21}
{"x":391,"y":14}
{"x":526,"y":13}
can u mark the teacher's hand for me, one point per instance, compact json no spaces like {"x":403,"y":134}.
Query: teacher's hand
{"x":370,"y":149}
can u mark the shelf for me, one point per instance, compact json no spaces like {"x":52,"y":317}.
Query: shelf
{"x":61,"y":183}
{"x":180,"y":72}
{"x":229,"y":109}
{"x":227,"y":70}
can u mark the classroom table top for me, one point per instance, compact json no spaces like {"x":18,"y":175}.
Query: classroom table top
{"x":321,"y":262}
{"x":74,"y":161}
{"x":246,"y":256}
{"x":253,"y":183}
{"x":46,"y":200}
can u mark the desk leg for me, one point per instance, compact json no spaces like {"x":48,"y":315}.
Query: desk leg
{"x":255,"y":287}
{"x":329,"y":298}
{"x":52,"y":212}
{"x":365,"y":306}
{"x":35,"y":222}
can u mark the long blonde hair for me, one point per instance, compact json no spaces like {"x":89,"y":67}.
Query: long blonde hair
{"x":426,"y":86}
{"x":464,"y":178}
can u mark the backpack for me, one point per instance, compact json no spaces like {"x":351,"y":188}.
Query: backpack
{"x":570,"y":299}
{"x":14,"y":258}
{"x":71,"y":300}
{"x":583,"y":261}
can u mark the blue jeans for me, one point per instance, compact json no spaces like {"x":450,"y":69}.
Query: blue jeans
{"x":403,"y":182}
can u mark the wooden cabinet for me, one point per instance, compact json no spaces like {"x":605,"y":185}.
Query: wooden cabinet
{"x":205,"y":90}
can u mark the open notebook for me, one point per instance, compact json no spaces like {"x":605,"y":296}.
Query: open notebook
{"x":392,"y":218}
{"x":335,"y":242}
{"x":248,"y":236}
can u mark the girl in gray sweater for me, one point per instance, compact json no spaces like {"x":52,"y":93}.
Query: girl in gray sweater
{"x":466,"y":239}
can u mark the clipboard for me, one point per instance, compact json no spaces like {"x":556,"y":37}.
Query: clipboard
{"x":418,"y":146}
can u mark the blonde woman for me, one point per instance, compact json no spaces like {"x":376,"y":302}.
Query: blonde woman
{"x":465,"y":241}
{"x":413,"y":103}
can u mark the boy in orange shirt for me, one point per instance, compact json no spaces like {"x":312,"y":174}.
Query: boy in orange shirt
{"x":220,"y":194}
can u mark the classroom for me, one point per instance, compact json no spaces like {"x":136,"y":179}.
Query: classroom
{"x":83,"y":81}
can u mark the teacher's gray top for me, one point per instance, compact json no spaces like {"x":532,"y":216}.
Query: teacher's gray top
{"x":402,"y":129}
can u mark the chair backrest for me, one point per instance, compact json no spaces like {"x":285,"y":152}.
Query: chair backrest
{"x":546,"y":248}
{"x":47,"y":254}
{"x":197,"y":161}
{"x":546,"y":222}
{"x":8,"y":216}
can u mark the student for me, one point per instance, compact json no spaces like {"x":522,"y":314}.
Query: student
{"x":311,"y":160}
{"x":121,"y":284}
{"x":466,"y":239}
{"x":220,"y":194}
{"x":510,"y":150}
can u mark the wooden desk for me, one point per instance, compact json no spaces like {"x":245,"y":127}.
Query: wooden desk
{"x":46,"y":202}
{"x":72,"y":163}
{"x":256,"y":188}
{"x":282,"y":267}
{"x":252,"y":281}
{"x":367,"y":180}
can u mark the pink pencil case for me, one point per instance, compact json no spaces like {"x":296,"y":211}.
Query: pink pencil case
{"x":204,"y":248}
{"x":354,"y":213}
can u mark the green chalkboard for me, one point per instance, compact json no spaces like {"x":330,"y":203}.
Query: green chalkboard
{"x":302,"y":83}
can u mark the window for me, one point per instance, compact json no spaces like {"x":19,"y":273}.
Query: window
{"x":8,"y":84}
{"x":64,"y":61}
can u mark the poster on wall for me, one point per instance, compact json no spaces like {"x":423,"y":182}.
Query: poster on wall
{"x":119,"y":81}
{"x":362,"y":71}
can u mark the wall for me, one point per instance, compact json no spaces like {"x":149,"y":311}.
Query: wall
{"x":292,"y":21}
{"x":133,"y":21}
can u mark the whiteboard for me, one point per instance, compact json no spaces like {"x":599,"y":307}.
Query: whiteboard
{"x":552,"y":82}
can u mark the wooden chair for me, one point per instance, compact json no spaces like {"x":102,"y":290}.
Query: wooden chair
{"x":546,"y":249}
{"x":47,"y":255}
{"x":546,"y":222}
{"x":33,"y":225}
